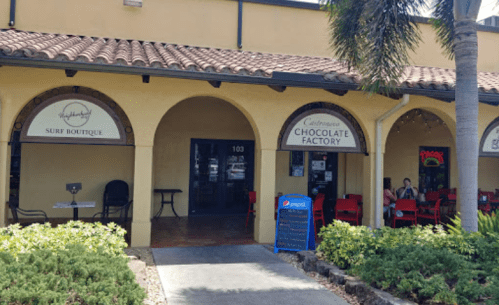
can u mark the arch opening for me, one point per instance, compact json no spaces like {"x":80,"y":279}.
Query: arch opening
{"x":421,"y":147}
{"x":488,"y":180}
{"x":321,"y":150}
{"x":205,"y":147}
{"x":42,"y":164}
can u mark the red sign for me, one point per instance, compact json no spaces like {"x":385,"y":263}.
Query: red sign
{"x":436,"y":156}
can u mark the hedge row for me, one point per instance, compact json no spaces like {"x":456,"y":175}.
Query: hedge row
{"x":427,"y":265}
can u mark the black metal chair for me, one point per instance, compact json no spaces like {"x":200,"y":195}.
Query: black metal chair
{"x":116,"y":194}
{"x":121,"y":211}
{"x":15,"y":209}
{"x":115,"y":204}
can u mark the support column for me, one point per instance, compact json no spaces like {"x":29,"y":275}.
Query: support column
{"x":142,"y":196}
{"x":4,"y":181}
{"x":368,"y":191}
{"x":265,"y":191}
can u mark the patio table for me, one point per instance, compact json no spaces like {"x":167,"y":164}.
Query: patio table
{"x":163,"y":201}
{"x":81,"y":204}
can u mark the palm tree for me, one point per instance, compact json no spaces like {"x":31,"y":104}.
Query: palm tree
{"x":375,"y":36}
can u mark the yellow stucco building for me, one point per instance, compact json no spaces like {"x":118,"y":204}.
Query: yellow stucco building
{"x":168,"y":95}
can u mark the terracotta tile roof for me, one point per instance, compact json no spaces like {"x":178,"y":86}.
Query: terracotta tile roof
{"x":108,"y":51}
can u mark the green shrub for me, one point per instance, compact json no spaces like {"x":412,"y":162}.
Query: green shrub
{"x":486,"y":224}
{"x":346,"y":245}
{"x":424,"y":274}
{"x":71,"y":276}
{"x":16,"y":240}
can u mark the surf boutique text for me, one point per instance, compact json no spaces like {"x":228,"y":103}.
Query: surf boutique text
{"x":72,"y":132}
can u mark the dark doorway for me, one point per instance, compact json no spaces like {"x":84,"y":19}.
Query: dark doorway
{"x":221,"y":174}
{"x":433,"y":168}
{"x":323,"y":178}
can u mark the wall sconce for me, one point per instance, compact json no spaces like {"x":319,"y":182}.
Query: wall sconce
{"x":134,"y":3}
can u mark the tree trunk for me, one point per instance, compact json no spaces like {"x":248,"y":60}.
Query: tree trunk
{"x":466,"y":53}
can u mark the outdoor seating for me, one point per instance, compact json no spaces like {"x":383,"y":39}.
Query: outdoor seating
{"x":15,"y":209}
{"x":121,"y":213}
{"x":433,"y":213}
{"x":358,"y":198}
{"x":318,"y":212}
{"x":485,"y":206}
{"x":116,"y":196}
{"x":408,"y":209}
{"x":432,"y":197}
{"x":444,"y":192}
{"x":449,"y":202}
{"x":348,"y":210}
{"x":252,"y":200}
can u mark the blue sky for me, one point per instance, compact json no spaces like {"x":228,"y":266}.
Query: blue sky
{"x":488,"y":8}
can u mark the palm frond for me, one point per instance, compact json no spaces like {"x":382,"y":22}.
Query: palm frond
{"x":346,"y":24}
{"x":374,"y":37}
{"x":443,"y":23}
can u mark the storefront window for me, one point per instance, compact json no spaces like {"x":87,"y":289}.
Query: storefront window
{"x":433,"y":168}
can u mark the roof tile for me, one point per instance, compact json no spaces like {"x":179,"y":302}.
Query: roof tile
{"x":180,"y":57}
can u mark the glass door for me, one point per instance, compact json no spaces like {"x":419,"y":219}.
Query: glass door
{"x":323,"y":178}
{"x":221,"y":176}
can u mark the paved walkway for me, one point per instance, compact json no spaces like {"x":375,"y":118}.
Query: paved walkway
{"x":235,"y":275}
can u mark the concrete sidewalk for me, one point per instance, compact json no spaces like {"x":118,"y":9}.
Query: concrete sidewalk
{"x":234,"y":275}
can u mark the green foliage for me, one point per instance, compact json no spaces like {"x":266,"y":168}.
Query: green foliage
{"x":486,"y":224}
{"x":443,"y":23}
{"x":424,"y":274}
{"x":374,"y":37}
{"x":425,"y":264}
{"x":72,"y":275}
{"x":16,"y":240}
{"x":346,"y":245}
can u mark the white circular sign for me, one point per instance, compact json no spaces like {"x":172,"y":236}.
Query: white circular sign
{"x":75,"y":114}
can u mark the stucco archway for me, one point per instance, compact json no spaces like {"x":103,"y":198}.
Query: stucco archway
{"x":41,"y":166}
{"x":421,"y":146}
{"x":193,"y":152}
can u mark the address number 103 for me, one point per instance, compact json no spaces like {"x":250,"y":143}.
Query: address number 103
{"x":238,"y":149}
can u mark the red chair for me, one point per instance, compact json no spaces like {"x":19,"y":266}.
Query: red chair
{"x":432,"y":196}
{"x":451,"y":203}
{"x":252,"y":200}
{"x":444,"y":192}
{"x":354,"y":196}
{"x":347,"y":206}
{"x":486,"y":208}
{"x":435,"y":216}
{"x":408,"y":207}
{"x":359,"y":200}
{"x":318,"y":212}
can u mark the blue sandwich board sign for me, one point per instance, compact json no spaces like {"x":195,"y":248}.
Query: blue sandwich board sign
{"x":295,"y":224}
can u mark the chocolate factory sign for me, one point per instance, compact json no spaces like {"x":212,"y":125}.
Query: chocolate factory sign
{"x":320,"y":130}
